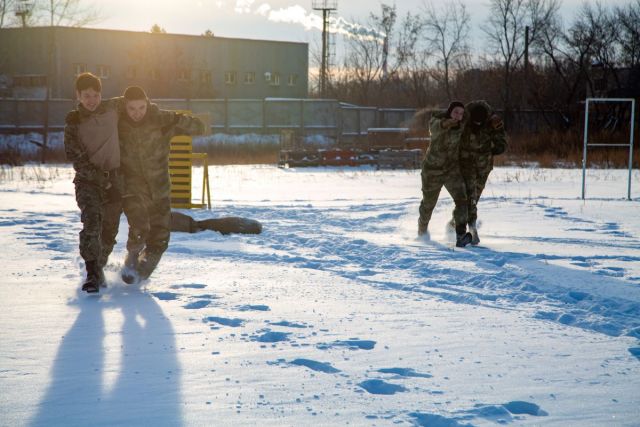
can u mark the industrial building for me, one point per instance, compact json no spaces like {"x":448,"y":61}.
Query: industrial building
{"x":166,"y":65}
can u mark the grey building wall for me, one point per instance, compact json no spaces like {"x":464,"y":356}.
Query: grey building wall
{"x":166,"y":65}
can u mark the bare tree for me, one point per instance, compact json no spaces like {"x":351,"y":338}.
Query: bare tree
{"x":368,"y":59}
{"x":413,"y":56}
{"x":447,"y":31}
{"x":506,"y":29}
{"x":6,"y":12}
{"x":628,"y":20}
{"x":69,"y":13}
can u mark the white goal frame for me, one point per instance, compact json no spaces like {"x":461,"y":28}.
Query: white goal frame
{"x":586,"y":138}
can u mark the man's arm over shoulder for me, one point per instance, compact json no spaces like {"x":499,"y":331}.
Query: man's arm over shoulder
{"x":181,"y":124}
{"x":114,"y":104}
{"x":75,"y":151}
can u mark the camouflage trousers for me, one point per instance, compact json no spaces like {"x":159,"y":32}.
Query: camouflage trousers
{"x":432,"y":183}
{"x":149,"y":230}
{"x":475,"y":172}
{"x":100,"y":216}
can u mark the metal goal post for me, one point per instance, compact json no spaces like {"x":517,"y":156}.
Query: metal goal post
{"x":586,"y":138}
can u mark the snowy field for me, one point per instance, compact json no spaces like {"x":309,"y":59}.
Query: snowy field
{"x":337,"y":314}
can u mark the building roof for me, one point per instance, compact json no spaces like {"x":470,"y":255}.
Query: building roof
{"x":173,"y":35}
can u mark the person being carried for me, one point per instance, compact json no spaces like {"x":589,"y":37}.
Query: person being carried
{"x":145,"y":134}
{"x":483,"y":138}
{"x":441,"y":167}
{"x":91,"y":144}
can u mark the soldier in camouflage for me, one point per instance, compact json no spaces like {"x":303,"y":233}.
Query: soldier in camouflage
{"x":441,"y":167}
{"x":91,"y":144}
{"x":145,"y":132}
{"x":483,"y":138}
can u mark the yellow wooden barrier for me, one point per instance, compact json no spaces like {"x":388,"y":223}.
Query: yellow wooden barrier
{"x":181,"y":159}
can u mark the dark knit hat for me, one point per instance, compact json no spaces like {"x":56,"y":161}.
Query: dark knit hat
{"x":453,"y":105}
{"x":478,"y":113}
{"x":134,"y":93}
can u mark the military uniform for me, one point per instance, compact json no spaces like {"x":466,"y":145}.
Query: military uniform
{"x":441,"y":168}
{"x":477,"y":148}
{"x":145,"y":169}
{"x":91,"y":144}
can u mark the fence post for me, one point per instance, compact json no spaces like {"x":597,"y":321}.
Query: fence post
{"x":226,"y":115}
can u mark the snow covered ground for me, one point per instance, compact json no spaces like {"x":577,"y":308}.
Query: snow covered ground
{"x":337,"y":314}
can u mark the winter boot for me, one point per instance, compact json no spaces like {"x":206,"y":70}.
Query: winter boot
{"x":147,"y":263}
{"x":474,"y":233}
{"x":129,"y":273}
{"x":95,"y":278}
{"x":463,"y":240}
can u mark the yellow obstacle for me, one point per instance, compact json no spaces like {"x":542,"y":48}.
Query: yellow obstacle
{"x":181,"y":159}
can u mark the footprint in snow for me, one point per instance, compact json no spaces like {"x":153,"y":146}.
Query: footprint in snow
{"x":404,"y":372}
{"x":189,"y":286}
{"x":165,"y":296}
{"x":224,"y":321}
{"x":315,"y":365}
{"x":256,"y":307}
{"x":381,"y":387}
{"x":352,"y":344}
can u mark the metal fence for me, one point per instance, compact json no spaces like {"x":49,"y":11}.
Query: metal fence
{"x":233,"y":116}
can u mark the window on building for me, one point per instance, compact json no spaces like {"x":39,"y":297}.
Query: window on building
{"x":205,"y":77}
{"x":249,"y":78}
{"x":154,"y":74}
{"x":275,"y":79}
{"x":293,"y":80}
{"x":230,"y":77}
{"x":30,"y":81}
{"x":132,"y":72}
{"x":79,"y":68}
{"x":184,"y":74}
{"x":104,"y":71}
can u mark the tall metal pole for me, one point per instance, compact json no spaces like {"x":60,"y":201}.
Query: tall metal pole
{"x":325,"y":49}
{"x":631,"y":135}
{"x":584,"y":150}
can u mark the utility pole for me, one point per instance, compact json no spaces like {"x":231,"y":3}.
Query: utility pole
{"x":327,"y":7}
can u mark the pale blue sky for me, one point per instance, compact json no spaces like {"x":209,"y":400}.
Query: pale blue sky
{"x":242,"y":18}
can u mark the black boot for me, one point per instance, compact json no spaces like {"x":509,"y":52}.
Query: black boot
{"x":129,"y":273}
{"x":95,"y":278}
{"x":463,"y":240}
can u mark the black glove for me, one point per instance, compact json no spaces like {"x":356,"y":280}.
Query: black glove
{"x":497,"y":149}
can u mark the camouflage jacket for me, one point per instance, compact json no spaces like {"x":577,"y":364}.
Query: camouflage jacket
{"x":77,"y":150}
{"x":443,"y":152}
{"x":144,"y":149}
{"x":480,"y":146}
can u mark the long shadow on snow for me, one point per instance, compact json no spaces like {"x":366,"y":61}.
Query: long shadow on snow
{"x":146,"y":390}
{"x":316,"y":238}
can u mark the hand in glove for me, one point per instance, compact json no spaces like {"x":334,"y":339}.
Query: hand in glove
{"x":496,"y":122}
{"x":449,"y":123}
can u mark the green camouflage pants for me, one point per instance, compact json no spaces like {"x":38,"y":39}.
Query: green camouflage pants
{"x":432,"y":183}
{"x":100,"y":218}
{"x":475,"y":172}
{"x":149,"y":229}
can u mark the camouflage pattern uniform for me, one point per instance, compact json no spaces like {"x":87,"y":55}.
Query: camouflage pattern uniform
{"x":441,"y":168}
{"x":97,"y":183}
{"x":477,"y":148}
{"x":144,"y":149}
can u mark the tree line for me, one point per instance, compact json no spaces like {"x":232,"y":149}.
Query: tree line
{"x":531,"y":58}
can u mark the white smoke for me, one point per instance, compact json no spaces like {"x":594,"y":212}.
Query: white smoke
{"x":299,"y":15}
